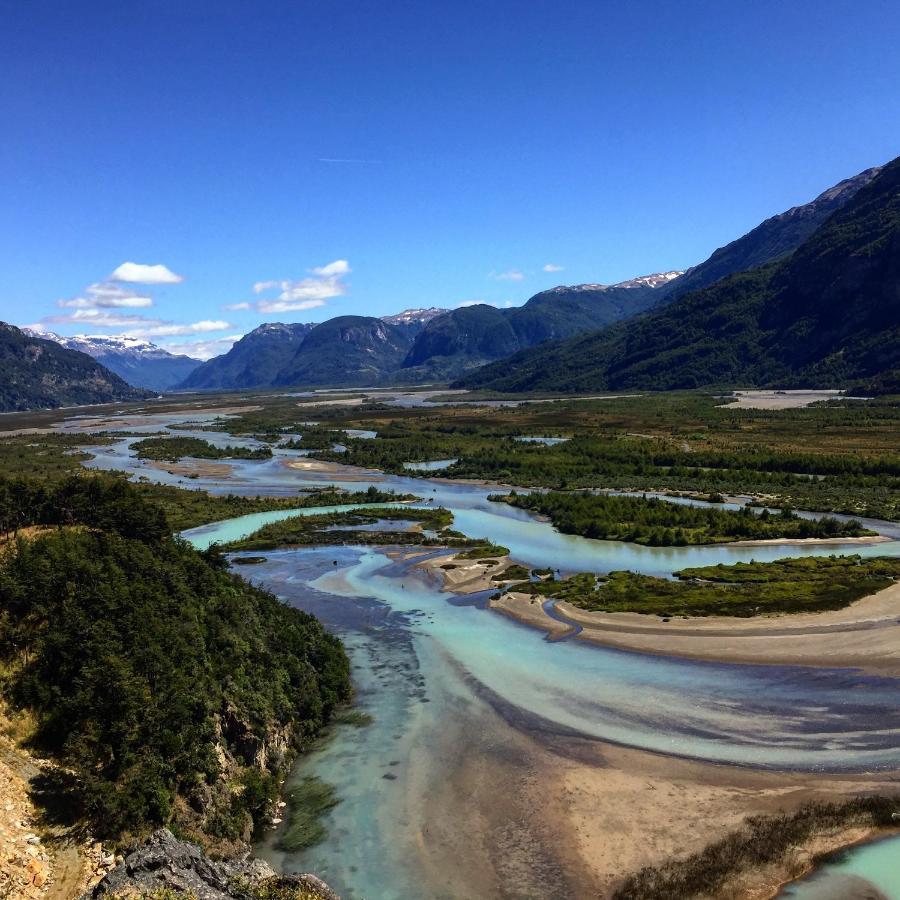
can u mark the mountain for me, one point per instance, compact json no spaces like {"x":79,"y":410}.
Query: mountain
{"x":344,"y":350}
{"x":253,"y":361}
{"x":771,"y":240}
{"x":347,"y":350}
{"x":472,"y":335}
{"x":138,"y":362}
{"x":824,"y":316}
{"x":39,"y":374}
{"x":415,"y":317}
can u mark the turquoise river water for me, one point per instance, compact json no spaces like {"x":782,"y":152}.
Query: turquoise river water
{"x":426,"y":663}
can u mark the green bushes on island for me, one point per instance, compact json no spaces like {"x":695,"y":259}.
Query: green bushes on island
{"x":337,"y":528}
{"x":189,"y":509}
{"x":809,"y":584}
{"x":661,"y":523}
{"x":171,"y":449}
{"x":169,"y":690}
{"x":760,"y":841}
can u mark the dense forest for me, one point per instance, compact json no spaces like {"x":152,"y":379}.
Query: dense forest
{"x":662,"y":523}
{"x":169,"y":690}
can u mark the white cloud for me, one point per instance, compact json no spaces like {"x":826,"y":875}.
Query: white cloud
{"x":338,"y":267}
{"x":235,"y":307}
{"x":204,"y":349}
{"x":324,"y":283}
{"x":280,"y":306}
{"x":170,"y":330}
{"x":552,"y":267}
{"x":101,"y":318}
{"x":511,"y":275}
{"x":103,"y":295}
{"x":144,"y":274}
{"x":471,"y":303}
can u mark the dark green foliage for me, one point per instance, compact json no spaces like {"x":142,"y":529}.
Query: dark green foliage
{"x":309,"y":801}
{"x":174,"y":448}
{"x":761,"y":841}
{"x":773,"y":239}
{"x":137,"y":654}
{"x":316,"y":529}
{"x":809,"y":584}
{"x":253,"y":361}
{"x":188,"y":509}
{"x":39,"y":374}
{"x":473,"y":335}
{"x":511,"y":573}
{"x":827,"y":315}
{"x":660,"y":523}
{"x":347,"y":350}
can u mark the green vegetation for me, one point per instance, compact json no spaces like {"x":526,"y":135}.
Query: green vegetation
{"x":842,"y":456}
{"x":154,"y":676}
{"x":172,"y":449}
{"x":511,"y":573}
{"x":483,"y":549}
{"x":188,"y":509}
{"x":322,"y":529}
{"x":37,"y":373}
{"x":308,"y":801}
{"x":660,"y":523}
{"x":760,"y":841}
{"x":810,"y":584}
{"x":824,"y":316}
{"x":46,"y":456}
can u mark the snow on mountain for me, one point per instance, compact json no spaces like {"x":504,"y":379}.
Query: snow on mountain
{"x":139,"y":362}
{"x":414,"y":316}
{"x":652,"y":281}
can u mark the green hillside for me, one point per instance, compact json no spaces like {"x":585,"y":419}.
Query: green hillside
{"x":827,"y":315}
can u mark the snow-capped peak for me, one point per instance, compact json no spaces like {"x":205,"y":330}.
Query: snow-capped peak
{"x":651,"y":281}
{"x":413,"y":316}
{"x":101,"y":344}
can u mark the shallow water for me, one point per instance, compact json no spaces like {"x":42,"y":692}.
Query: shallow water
{"x":867,"y":872}
{"x":423,"y":658}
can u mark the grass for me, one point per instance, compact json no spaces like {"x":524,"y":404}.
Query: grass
{"x":308,"y":802}
{"x":810,"y":584}
{"x":512,"y":573}
{"x":760,"y":841}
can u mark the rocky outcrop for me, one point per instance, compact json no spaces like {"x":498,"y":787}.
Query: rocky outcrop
{"x":163,"y":862}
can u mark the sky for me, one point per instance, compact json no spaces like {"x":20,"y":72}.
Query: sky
{"x":184,"y":171}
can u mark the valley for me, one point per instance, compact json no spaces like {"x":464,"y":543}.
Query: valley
{"x":575,"y":761}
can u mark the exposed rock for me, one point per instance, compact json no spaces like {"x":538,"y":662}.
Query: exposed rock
{"x":164,"y":862}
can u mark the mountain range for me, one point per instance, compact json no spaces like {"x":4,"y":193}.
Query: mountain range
{"x":808,"y":297}
{"x":136,"y":361}
{"x":40,"y":374}
{"x":438,"y":345}
{"x":825,"y":315}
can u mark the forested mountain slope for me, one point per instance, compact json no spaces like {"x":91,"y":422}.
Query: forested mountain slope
{"x":827,"y":315}
{"x":39,"y":374}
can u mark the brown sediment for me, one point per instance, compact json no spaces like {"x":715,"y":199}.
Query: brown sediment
{"x":553,"y":815}
{"x":188,"y":468}
{"x":864,"y":635}
{"x":468,"y":576}
{"x":319,"y":467}
{"x":765,"y":542}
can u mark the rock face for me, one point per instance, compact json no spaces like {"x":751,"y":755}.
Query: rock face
{"x":164,"y":862}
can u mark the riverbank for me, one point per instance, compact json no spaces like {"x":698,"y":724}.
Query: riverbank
{"x":864,"y":635}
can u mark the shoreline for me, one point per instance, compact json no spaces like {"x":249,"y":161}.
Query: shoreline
{"x":864,"y":635}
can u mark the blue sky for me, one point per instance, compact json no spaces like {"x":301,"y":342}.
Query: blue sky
{"x":292,"y":161}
